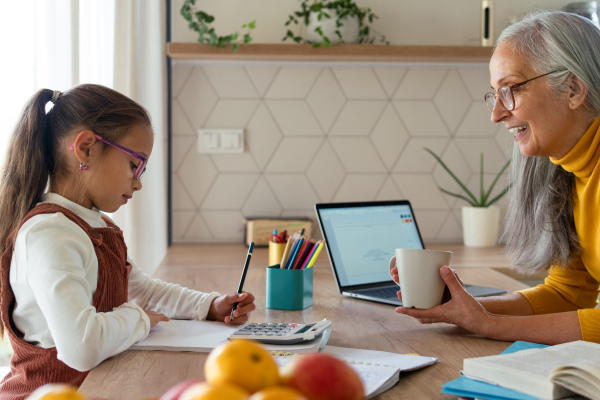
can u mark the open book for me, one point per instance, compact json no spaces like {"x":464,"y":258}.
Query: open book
{"x":378,"y":370}
{"x":553,"y":372}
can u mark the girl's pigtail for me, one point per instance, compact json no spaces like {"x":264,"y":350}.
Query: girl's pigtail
{"x":27,"y":165}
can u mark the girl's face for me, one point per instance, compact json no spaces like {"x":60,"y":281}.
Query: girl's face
{"x":111,"y":181}
{"x":541,"y":122}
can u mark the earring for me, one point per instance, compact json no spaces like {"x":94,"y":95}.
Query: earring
{"x":82,"y":166}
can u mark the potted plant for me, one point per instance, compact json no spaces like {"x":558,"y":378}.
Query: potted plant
{"x":480,"y":222}
{"x":200,"y":22}
{"x":333,"y":21}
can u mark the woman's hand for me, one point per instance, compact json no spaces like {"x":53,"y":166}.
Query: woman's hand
{"x":394,"y":272}
{"x":461,"y":309}
{"x":220,"y":309}
{"x":155,"y":317}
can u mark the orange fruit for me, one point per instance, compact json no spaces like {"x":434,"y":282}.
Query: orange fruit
{"x":243,"y":363}
{"x":207,"y":391}
{"x":277,"y":393}
{"x":56,"y":391}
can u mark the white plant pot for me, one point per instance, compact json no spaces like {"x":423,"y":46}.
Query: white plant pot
{"x":349,"y":29}
{"x":480,"y":226}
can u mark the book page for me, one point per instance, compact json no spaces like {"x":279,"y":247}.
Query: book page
{"x":400,"y":362}
{"x":583,"y":379}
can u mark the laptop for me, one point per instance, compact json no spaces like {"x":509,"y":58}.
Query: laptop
{"x":361,"y":237}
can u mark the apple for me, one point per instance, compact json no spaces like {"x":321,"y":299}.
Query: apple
{"x":321,"y":376}
{"x":175,"y":391}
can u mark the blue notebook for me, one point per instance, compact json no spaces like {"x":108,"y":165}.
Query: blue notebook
{"x":466,"y":387}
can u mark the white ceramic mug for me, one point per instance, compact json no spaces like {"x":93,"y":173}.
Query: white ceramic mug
{"x":419,"y":276}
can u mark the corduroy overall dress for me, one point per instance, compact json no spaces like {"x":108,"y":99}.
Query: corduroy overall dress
{"x":32,"y":366}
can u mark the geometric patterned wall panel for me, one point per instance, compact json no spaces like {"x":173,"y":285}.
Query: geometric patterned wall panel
{"x":321,"y":132}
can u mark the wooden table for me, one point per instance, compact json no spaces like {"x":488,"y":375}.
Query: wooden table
{"x":356,"y":323}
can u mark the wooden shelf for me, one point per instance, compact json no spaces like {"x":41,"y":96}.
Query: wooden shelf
{"x":345,"y":52}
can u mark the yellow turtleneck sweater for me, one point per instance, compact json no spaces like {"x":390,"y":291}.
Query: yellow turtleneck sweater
{"x":577,"y":286}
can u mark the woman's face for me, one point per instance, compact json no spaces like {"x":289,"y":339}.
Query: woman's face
{"x":541,"y":122}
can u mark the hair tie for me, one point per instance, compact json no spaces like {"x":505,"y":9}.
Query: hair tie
{"x":55,"y":95}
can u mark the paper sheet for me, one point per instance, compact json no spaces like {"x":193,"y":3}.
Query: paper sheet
{"x":203,"y":336}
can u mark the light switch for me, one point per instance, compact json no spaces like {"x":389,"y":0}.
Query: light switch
{"x":211,"y":141}
{"x":220,"y":141}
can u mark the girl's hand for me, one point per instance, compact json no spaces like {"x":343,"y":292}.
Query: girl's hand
{"x":155,"y":317}
{"x":461,"y":309}
{"x":220,"y":309}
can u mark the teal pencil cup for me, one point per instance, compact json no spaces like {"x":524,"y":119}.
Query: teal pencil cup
{"x":289,"y":289}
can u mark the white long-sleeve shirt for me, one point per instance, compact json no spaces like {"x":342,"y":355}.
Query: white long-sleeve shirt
{"x":54,"y":274}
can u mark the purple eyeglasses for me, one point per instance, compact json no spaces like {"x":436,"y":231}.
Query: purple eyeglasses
{"x":141,"y":167}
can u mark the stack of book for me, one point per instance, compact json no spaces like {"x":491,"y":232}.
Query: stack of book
{"x":527,"y":371}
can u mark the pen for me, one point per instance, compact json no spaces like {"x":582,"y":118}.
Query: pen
{"x":274,"y":237}
{"x":243,"y":278}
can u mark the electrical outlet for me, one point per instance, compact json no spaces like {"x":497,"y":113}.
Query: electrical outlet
{"x":223,"y":141}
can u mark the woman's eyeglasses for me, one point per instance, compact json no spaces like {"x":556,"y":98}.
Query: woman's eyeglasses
{"x":141,"y":167}
{"x":505,"y":94}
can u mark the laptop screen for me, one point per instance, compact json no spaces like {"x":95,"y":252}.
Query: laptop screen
{"x":361,"y":238}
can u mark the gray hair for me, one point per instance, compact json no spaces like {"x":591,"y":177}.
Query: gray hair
{"x":540,"y":229}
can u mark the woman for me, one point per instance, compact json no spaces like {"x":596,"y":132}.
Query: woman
{"x":544,"y":71}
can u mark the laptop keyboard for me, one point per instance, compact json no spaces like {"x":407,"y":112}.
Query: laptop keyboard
{"x":384,"y":292}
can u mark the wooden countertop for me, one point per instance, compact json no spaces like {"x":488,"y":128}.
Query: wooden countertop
{"x":356,"y":324}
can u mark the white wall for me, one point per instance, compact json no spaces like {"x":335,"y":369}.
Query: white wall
{"x":403,"y":22}
{"x":320,"y":132}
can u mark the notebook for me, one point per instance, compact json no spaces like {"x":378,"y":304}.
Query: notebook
{"x":203,"y":336}
{"x":361,"y":237}
{"x":378,"y":370}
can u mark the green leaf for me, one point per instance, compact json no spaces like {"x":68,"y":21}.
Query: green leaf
{"x":470,"y":201}
{"x":462,"y":185}
{"x":484,"y":195}
{"x":495,"y":199}
{"x":202,"y":16}
{"x":481,"y":193}
{"x":496,"y":180}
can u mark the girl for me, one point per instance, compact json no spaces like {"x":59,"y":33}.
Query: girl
{"x":69,"y":295}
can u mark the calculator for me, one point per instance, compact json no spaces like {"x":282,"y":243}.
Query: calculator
{"x":281,"y":333}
